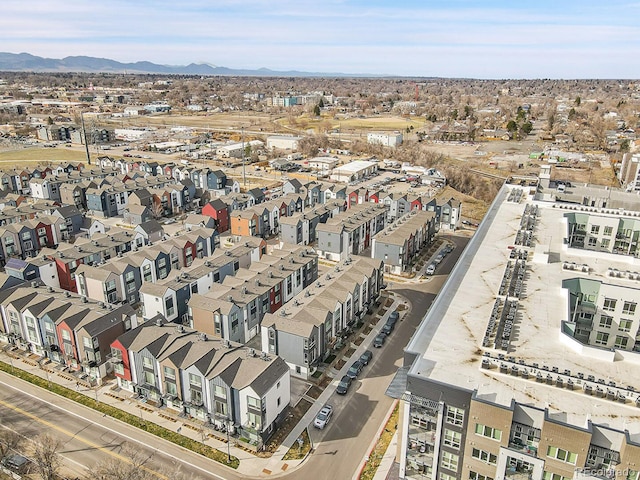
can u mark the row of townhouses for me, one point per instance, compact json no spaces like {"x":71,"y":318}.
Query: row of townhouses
{"x":304,"y":330}
{"x":228,"y":296}
{"x":211,"y":379}
{"x":67,"y":329}
{"x":404,"y":240}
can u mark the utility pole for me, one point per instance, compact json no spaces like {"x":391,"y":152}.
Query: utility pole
{"x":86,"y":141}
{"x":244,"y":173}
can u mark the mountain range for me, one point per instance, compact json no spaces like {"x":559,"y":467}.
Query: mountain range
{"x":25,"y":62}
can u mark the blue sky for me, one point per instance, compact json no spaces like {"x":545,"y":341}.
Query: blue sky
{"x":453,"y":38}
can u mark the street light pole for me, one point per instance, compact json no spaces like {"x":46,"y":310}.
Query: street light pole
{"x":228,"y":440}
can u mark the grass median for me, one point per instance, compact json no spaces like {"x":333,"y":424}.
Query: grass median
{"x":133,"y":420}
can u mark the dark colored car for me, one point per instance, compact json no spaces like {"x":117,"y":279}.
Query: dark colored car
{"x":355,"y":370}
{"x":387,"y":329}
{"x":379,"y":340}
{"x":343,"y":386}
{"x":366,"y":357}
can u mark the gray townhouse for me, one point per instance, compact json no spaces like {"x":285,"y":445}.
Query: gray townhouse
{"x":304,"y":331}
{"x":401,"y":242}
{"x":351,"y":232}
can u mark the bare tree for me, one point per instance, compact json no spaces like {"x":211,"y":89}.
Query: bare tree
{"x":9,"y":441}
{"x":46,"y":459}
{"x":130,"y":464}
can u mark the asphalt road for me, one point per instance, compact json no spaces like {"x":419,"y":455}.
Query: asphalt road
{"x":89,"y":438}
{"x":342,"y":445}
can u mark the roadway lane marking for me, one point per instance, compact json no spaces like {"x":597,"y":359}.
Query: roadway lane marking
{"x":75,"y":436}
{"x":112,"y":430}
{"x":31,"y":440}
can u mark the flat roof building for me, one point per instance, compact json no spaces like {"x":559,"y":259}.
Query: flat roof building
{"x":526,"y":364}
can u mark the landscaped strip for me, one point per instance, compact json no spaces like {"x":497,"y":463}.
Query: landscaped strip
{"x":133,"y":420}
{"x":375,"y":456}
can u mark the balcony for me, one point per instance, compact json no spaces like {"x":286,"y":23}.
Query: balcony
{"x":517,"y":445}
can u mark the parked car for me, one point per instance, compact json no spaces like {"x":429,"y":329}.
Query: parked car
{"x":387,"y":329}
{"x":366,"y":357}
{"x":438,"y":259}
{"x":393,"y":318}
{"x":355,"y":369}
{"x":323,"y":417}
{"x":431,"y":269}
{"x":343,"y":386}
{"x":379,"y":340}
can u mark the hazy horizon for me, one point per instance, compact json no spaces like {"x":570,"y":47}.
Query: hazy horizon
{"x":447,"y":39}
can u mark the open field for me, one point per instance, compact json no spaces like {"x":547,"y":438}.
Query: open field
{"x":351,"y":125}
{"x":40,"y":155}
{"x":232,"y":121}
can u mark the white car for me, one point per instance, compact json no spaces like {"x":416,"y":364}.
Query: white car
{"x":323,"y":417}
{"x":431,"y":269}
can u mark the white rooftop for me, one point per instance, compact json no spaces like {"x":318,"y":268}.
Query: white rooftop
{"x":449,"y":341}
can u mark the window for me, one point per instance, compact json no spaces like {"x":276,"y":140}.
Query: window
{"x":605,"y":321}
{"x":129,"y":277}
{"x":169,"y":373}
{"x":455,"y":416}
{"x":483,"y":456}
{"x":220,"y":392}
{"x":629,"y":308}
{"x":169,"y":307}
{"x":609,"y":304}
{"x":608,"y":230}
{"x":625,"y":325}
{"x":221,"y":407}
{"x":452,"y":439}
{"x":488,"y":432}
{"x":562,"y":455}
{"x":195,"y":380}
{"x":602,"y":338}
{"x":254,"y":402}
{"x":147,"y":363}
{"x":621,"y":341}
{"x":149,"y":378}
{"x":444,"y":476}
{"x":196,"y":396}
{"x":171,"y":388}
{"x":593,"y":242}
{"x":595,"y":229}
{"x":605,"y":243}
{"x":449,"y":461}
{"x":476,"y":476}
{"x":254,"y":420}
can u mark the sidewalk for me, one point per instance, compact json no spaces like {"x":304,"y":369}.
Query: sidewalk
{"x":250,"y":464}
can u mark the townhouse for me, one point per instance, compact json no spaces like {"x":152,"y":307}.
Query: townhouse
{"x":401,"y":242}
{"x":219,"y":211}
{"x":67,"y":329}
{"x":121,"y":278}
{"x":351,"y":232}
{"x":213,"y":380}
{"x":448,"y":212}
{"x":304,"y":331}
{"x":89,"y":251}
